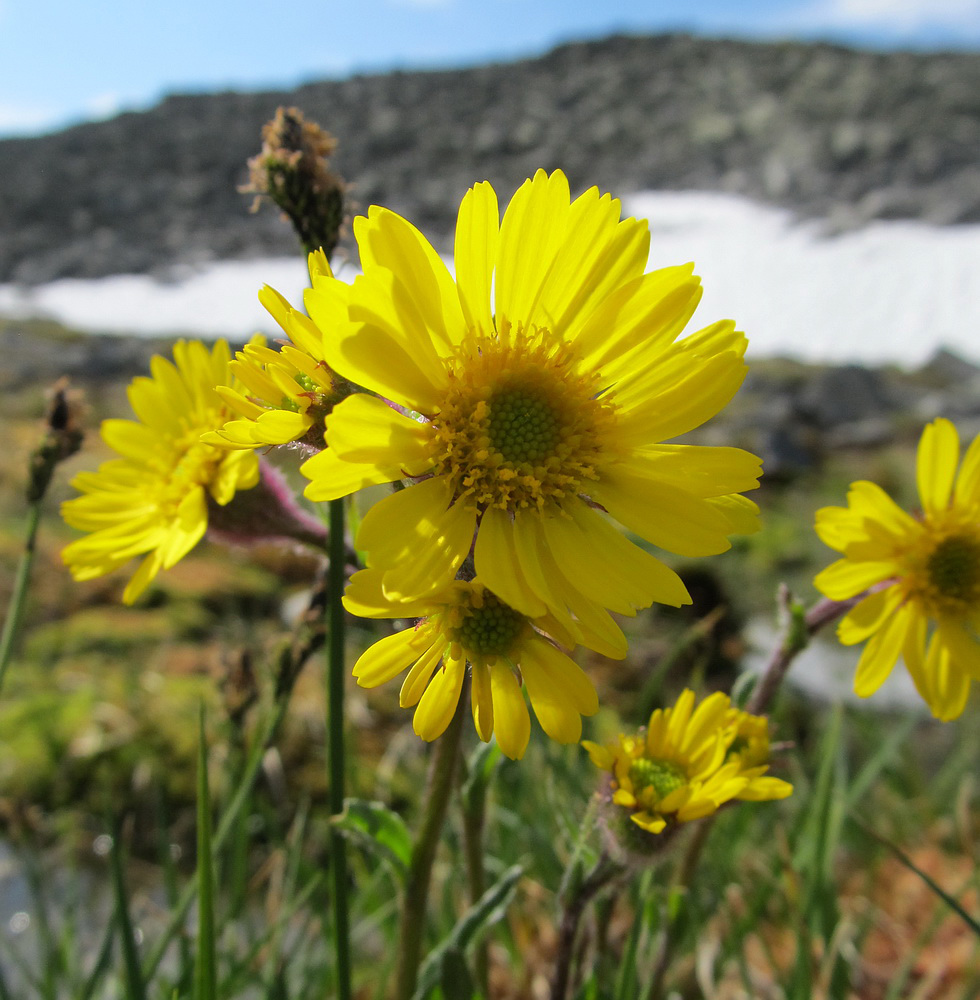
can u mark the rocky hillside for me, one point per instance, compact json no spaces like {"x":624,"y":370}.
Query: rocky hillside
{"x":829,"y":131}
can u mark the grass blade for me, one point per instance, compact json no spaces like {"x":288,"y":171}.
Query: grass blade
{"x":205,"y":975}
{"x":135,"y":985}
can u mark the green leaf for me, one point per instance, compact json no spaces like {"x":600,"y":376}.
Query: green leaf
{"x":375,"y":826}
{"x":454,"y":976}
{"x":485,"y":911}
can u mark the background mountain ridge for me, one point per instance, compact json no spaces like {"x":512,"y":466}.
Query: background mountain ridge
{"x":842,"y":134}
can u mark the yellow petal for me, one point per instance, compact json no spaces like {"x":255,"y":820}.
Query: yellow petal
{"x":365,"y":597}
{"x":636,"y":322}
{"x":765,"y":790}
{"x":598,"y":255}
{"x":968,"y":483}
{"x":481,"y":701}
{"x":477,"y":230}
{"x":881,"y":653}
{"x":531,"y":233}
{"x":867,"y":617}
{"x":697,"y":469}
{"x":559,"y":690}
{"x":512,"y":724}
{"x":331,"y":477}
{"x":386,"y":240}
{"x":440,"y":546}
{"x":388,"y":657}
{"x":365,"y":429}
{"x":418,"y":677}
{"x":845,"y":579}
{"x":936,"y":461}
{"x":390,"y":529}
{"x":949,"y":687}
{"x":439,"y":702}
{"x":670,"y":518}
{"x":497,"y":564}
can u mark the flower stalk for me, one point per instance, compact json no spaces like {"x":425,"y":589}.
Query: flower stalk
{"x":62,"y":438}
{"x":335,"y":746}
{"x":417,"y":882}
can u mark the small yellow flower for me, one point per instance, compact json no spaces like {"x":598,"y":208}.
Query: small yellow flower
{"x":464,"y":623}
{"x":153,"y":500}
{"x":531,"y":393}
{"x":284,"y":395}
{"x":922,"y":574}
{"x":689,"y":763}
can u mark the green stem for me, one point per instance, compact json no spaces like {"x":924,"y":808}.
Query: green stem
{"x":416,"y":895}
{"x":682,"y":880}
{"x":335,"y":746}
{"x":474,"y":815}
{"x":15,"y":609}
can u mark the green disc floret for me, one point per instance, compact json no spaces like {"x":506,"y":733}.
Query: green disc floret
{"x":954,"y":569}
{"x":664,"y":776}
{"x":489,"y":630}
{"x":523,"y":427}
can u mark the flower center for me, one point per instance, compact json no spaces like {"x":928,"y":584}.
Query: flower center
{"x":484,"y":626}
{"x":953,"y":573}
{"x":661,"y":775}
{"x":521,"y":426}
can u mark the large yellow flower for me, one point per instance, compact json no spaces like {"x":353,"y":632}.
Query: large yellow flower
{"x":153,"y":500}
{"x":530,"y":396}
{"x":690,"y":762}
{"x":464,"y":623}
{"x":922,"y":573}
{"x":283,"y":395}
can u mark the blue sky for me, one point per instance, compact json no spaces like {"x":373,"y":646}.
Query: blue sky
{"x":64,"y":61}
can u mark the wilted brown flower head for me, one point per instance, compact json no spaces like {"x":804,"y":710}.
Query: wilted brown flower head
{"x":63,"y":434}
{"x":293,"y":171}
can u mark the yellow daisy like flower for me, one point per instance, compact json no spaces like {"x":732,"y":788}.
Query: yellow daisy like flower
{"x":279,"y":396}
{"x":153,"y":501}
{"x":922,"y":573}
{"x":465,"y":623}
{"x":527,"y":398}
{"x":689,"y":763}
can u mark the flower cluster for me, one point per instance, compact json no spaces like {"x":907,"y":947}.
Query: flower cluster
{"x":152,"y":501}
{"x":919,"y":575}
{"x":689,"y":762}
{"x":525,"y":405}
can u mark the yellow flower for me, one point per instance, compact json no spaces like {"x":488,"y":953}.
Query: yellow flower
{"x":922,"y":573}
{"x":154,"y":499}
{"x":530,"y":394}
{"x":464,"y":623}
{"x":279,"y":396}
{"x":689,"y":763}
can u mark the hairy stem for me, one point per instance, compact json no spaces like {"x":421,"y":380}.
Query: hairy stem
{"x":335,"y":746}
{"x":15,"y":609}
{"x":605,"y":870}
{"x":799,"y":628}
{"x":416,"y":895}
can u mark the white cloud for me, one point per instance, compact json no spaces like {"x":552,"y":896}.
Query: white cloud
{"x":103,"y":106}
{"x":892,"y":15}
{"x":22,"y":119}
